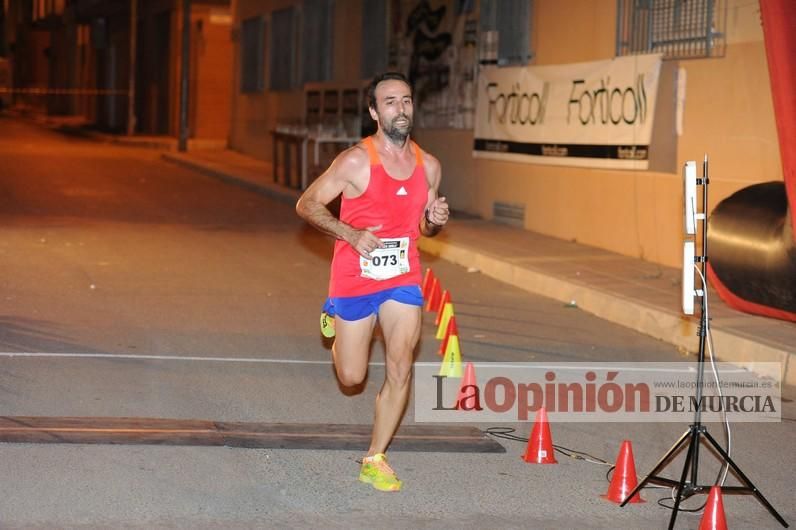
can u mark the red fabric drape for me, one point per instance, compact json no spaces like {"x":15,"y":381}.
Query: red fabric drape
{"x":779,"y":31}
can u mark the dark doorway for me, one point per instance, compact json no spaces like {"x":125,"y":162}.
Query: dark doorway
{"x":154,"y":74}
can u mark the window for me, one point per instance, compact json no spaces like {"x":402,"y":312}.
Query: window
{"x":505,"y":32}
{"x":283,"y":49}
{"x":318,"y":42}
{"x":680,"y":29}
{"x":374,"y":38}
{"x":252,"y":61}
{"x":45,"y":8}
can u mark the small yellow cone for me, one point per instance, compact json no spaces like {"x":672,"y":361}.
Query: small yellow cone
{"x":451,"y":365}
{"x":447,"y":313}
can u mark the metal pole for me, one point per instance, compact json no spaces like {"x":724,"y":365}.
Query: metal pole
{"x":133,"y":44}
{"x":2,"y":29}
{"x":620,"y":26}
{"x":184,"y":77}
{"x":704,"y":324}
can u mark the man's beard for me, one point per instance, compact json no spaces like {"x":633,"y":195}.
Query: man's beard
{"x":398,"y":134}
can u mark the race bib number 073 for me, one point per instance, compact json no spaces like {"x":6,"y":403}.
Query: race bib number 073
{"x":387,"y":262}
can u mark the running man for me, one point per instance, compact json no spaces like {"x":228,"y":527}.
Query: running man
{"x":389,"y":197}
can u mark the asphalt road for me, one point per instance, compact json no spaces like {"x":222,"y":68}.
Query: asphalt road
{"x":111,"y":252}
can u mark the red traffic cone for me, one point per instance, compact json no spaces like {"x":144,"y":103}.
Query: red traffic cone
{"x":452,"y":329}
{"x":713,"y":518}
{"x":446,"y":298}
{"x":540,"y":444}
{"x":468,"y":398}
{"x":434,"y":296}
{"x":624,"y":480}
{"x":427,"y":279}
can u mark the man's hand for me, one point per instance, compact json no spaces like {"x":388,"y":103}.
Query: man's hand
{"x":365,"y":241}
{"x":438,"y":212}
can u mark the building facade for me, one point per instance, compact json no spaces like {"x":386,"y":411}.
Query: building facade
{"x":80,"y":52}
{"x":714,"y":101}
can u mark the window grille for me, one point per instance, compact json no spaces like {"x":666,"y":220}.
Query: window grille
{"x":505,"y":32}
{"x":679,"y":29}
{"x":374,"y":38}
{"x":252,"y":72}
{"x":318,"y":41}
{"x":283,"y":49}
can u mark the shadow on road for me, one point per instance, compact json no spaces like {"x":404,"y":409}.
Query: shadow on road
{"x":30,"y":335}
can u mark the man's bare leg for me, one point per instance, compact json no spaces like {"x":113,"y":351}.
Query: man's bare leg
{"x":400,"y":325}
{"x":351,"y":349}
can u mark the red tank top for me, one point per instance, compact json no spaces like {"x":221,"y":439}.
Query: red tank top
{"x":395,"y":204}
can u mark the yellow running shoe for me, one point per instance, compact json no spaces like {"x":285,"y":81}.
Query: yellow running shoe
{"x":378,"y":473}
{"x":327,"y":325}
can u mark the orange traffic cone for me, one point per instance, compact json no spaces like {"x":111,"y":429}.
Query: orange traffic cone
{"x":713,"y":518}
{"x":427,"y":279}
{"x":434,"y":296}
{"x":540,"y":444}
{"x":468,"y":398}
{"x":446,"y":299}
{"x":624,"y":480}
{"x":452,"y":329}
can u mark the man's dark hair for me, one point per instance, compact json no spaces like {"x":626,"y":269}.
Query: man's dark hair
{"x":386,"y":76}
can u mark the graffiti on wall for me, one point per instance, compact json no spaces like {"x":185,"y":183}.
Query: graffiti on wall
{"x":434,"y":42}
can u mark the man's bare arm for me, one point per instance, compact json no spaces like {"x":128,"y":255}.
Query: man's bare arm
{"x":318,"y":215}
{"x":339,"y":178}
{"x":312,"y":205}
{"x":436,"y":213}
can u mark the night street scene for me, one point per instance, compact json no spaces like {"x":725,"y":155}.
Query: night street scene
{"x":397,"y":264}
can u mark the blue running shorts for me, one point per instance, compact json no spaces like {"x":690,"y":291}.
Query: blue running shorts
{"x":359,"y":307}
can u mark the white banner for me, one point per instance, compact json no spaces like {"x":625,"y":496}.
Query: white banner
{"x":596,"y":114}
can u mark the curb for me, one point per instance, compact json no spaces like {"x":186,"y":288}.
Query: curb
{"x":218,"y":171}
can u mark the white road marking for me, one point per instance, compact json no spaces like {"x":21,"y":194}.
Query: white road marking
{"x":261,"y":360}
{"x":137,"y":357}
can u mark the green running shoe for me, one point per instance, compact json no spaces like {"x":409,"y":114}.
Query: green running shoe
{"x":378,"y":473}
{"x":327,"y":325}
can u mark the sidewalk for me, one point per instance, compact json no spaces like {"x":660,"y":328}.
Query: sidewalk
{"x":233,"y":167}
{"x":630,"y":292}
